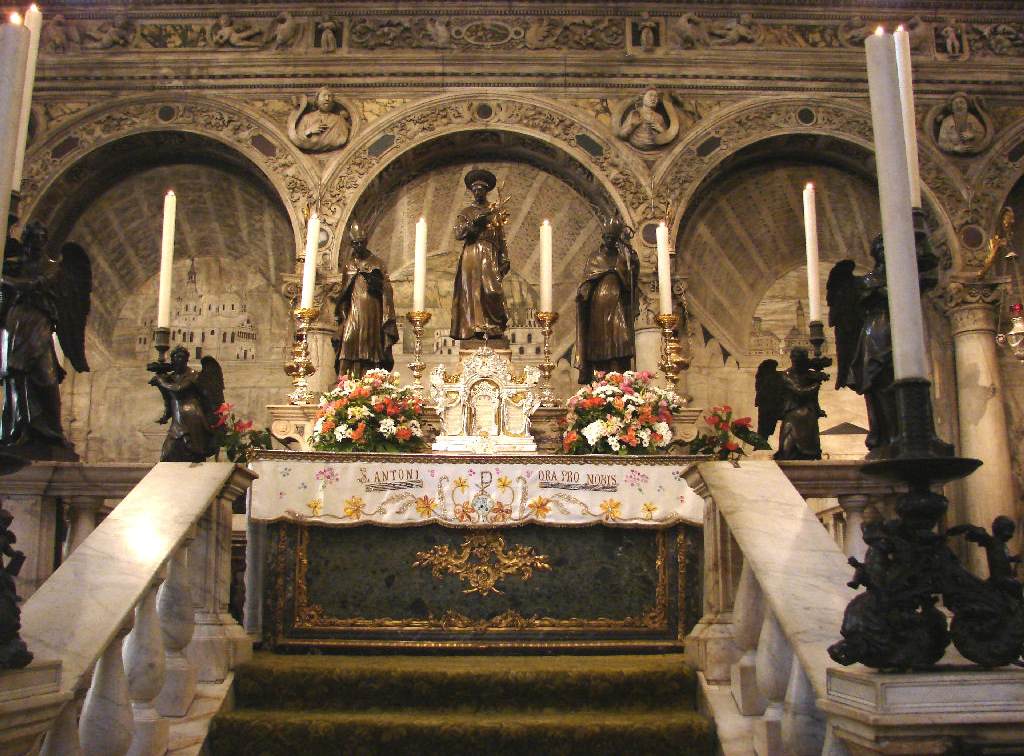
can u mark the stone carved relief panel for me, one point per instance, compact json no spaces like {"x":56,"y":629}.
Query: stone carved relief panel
{"x":222,"y":121}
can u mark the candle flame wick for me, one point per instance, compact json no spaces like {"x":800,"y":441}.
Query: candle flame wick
{"x":170,"y":192}
{"x":899,"y":28}
{"x":34,"y":8}
{"x":879,"y":31}
{"x":16,"y":19}
{"x":810,"y":185}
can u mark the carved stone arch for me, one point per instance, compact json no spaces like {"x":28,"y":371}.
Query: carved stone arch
{"x":995,"y":178}
{"x":244,"y":131}
{"x":621,"y":177}
{"x":703,"y":152}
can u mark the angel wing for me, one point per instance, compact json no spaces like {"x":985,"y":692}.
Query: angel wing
{"x":769,"y":397}
{"x":211,"y":386}
{"x":72,"y":289}
{"x":844,"y":316}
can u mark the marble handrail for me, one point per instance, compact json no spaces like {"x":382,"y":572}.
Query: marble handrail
{"x":778,"y":591}
{"x":79,"y":612}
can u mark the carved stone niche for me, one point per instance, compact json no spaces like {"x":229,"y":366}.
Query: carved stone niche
{"x":486,"y":408}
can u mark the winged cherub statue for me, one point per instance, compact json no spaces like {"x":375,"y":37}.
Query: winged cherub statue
{"x":191,"y":400}
{"x":44,"y":292}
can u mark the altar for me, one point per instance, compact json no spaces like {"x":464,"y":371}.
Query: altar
{"x":454,"y":551}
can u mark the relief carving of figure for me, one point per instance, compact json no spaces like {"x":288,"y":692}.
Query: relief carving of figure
{"x":329,"y":32}
{"x":478,"y":307}
{"x":319,"y":126}
{"x":14,"y":654}
{"x":951,"y":44}
{"x":647,"y":123}
{"x":647,"y":30}
{"x":607,"y":304}
{"x":852,"y":33}
{"x":226,"y":32}
{"x":960,"y":126}
{"x":689,"y":32}
{"x":367,"y":326}
{"x":437,"y":34}
{"x":60,"y":35}
{"x":116,"y":33}
{"x":284,"y":31}
{"x":740,"y":31}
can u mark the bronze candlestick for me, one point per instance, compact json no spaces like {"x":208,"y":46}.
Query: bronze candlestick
{"x":301,"y":366}
{"x":547,"y":321}
{"x":672,"y":358}
{"x":161,"y":342}
{"x":419,"y":319}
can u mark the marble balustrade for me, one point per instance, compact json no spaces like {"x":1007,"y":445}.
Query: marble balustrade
{"x":137,"y":614}
{"x":774,"y":599}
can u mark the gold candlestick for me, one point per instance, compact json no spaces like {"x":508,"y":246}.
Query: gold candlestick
{"x":301,"y":366}
{"x":418,"y":318}
{"x":547,"y":395}
{"x":672,"y":358}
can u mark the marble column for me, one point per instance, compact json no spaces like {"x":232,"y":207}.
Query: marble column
{"x":853,"y":506}
{"x":980,"y":403}
{"x":82,"y":511}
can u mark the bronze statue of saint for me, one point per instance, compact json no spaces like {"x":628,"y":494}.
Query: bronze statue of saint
{"x":478,"y":304}
{"x":191,"y":400}
{"x":367,"y":327}
{"x":607,"y":303}
{"x":45,"y":292}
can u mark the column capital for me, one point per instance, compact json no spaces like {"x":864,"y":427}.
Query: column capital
{"x":971,"y":305}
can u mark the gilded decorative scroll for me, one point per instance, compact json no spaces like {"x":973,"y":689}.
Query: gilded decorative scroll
{"x":312,"y":616}
{"x":482,"y":562}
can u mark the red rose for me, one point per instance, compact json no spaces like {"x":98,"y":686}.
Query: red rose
{"x":243,"y":426}
{"x":743,"y":422}
{"x":713,"y":420}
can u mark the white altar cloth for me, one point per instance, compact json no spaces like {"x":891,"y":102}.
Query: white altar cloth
{"x":473,"y":491}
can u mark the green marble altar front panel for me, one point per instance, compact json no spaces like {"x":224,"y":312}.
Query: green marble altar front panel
{"x":433,"y":586}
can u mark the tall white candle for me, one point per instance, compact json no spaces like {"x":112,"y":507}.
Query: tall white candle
{"x":309,"y":265}
{"x":419,"y":267}
{"x":545,"y":266}
{"x":906,"y":77}
{"x":664,"y":271}
{"x":14,"y":43}
{"x":811,"y":239}
{"x":163,"y":306}
{"x":905,"y":316}
{"x":34,"y":24}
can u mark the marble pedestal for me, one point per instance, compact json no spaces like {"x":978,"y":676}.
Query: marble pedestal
{"x":926,"y":712}
{"x":30,"y":700}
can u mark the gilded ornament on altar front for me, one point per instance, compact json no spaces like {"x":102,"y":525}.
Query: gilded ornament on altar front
{"x":482,"y":562}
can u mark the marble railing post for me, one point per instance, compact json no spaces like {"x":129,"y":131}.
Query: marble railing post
{"x":218,"y":642}
{"x":177,"y":622}
{"x":82,"y":511}
{"x":774,"y":659}
{"x":255,"y":545}
{"x":803,"y":727}
{"x":988,"y":492}
{"x":748,"y":617}
{"x":853,"y":531}
{"x":105,"y":727}
{"x":710,"y":646}
{"x":144,"y":668}
{"x":62,"y":739}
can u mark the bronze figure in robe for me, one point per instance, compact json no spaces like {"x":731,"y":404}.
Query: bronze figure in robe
{"x":607,"y":303}
{"x":478,"y":304}
{"x":367,"y":327}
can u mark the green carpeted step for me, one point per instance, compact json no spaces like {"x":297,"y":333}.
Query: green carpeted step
{"x":351,"y":683}
{"x":256,"y":732}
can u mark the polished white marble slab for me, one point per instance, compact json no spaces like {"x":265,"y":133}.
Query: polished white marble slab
{"x":76,"y":613}
{"x":799,"y":567}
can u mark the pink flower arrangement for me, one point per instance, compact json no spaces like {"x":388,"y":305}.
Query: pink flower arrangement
{"x":620,"y":413}
{"x":370,"y":413}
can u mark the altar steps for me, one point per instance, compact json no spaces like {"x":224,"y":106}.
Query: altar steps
{"x":398,"y":705}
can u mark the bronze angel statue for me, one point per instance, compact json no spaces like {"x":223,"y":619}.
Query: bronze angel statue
{"x":859,"y":313}
{"x":791,"y":397}
{"x":45,"y":292}
{"x":191,"y":400}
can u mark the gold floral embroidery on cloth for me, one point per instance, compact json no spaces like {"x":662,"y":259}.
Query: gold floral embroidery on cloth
{"x":482,"y":562}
